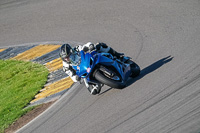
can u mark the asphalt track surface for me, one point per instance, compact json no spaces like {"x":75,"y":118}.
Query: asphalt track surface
{"x":163,"y":37}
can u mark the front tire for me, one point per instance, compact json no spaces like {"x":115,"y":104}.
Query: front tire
{"x":103,"y":78}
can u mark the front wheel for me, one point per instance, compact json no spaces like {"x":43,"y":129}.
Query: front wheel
{"x":114,"y":81}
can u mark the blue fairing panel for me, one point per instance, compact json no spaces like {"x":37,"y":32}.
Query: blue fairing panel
{"x":104,"y":60}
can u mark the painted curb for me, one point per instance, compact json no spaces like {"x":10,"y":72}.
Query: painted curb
{"x":35,"y":52}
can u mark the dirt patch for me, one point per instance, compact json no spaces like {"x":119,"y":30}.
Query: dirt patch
{"x":28,"y":117}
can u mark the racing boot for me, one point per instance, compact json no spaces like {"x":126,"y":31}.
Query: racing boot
{"x":116,"y":54}
{"x":104,"y":48}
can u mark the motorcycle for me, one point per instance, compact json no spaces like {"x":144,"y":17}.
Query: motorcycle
{"x":98,"y":69}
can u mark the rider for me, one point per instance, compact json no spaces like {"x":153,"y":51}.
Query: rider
{"x":66,"y":51}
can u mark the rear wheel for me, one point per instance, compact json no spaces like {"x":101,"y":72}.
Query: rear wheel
{"x":113,"y":80}
{"x":135,"y":69}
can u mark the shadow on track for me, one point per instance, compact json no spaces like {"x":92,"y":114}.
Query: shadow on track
{"x":150,"y":69}
{"x":146,"y":71}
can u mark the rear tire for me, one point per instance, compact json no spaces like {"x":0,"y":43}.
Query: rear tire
{"x":101,"y":77}
{"x":135,"y":69}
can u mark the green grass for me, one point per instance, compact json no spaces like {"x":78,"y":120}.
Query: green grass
{"x":19,"y":82}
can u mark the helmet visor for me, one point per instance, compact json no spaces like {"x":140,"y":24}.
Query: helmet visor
{"x":66,"y":58}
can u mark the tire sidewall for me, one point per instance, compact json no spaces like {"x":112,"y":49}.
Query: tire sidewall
{"x":105,"y":80}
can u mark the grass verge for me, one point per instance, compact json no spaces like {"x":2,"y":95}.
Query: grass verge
{"x":19,"y":82}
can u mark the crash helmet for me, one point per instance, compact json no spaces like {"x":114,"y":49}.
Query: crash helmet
{"x":65,"y":52}
{"x":69,"y":55}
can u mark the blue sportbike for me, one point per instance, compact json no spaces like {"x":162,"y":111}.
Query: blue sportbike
{"x":98,"y":69}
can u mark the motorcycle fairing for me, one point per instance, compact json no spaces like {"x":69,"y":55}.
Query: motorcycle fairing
{"x":85,"y":63}
{"x":90,"y":60}
{"x":123,"y":69}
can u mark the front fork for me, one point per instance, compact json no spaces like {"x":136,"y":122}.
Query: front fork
{"x":86,"y":82}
